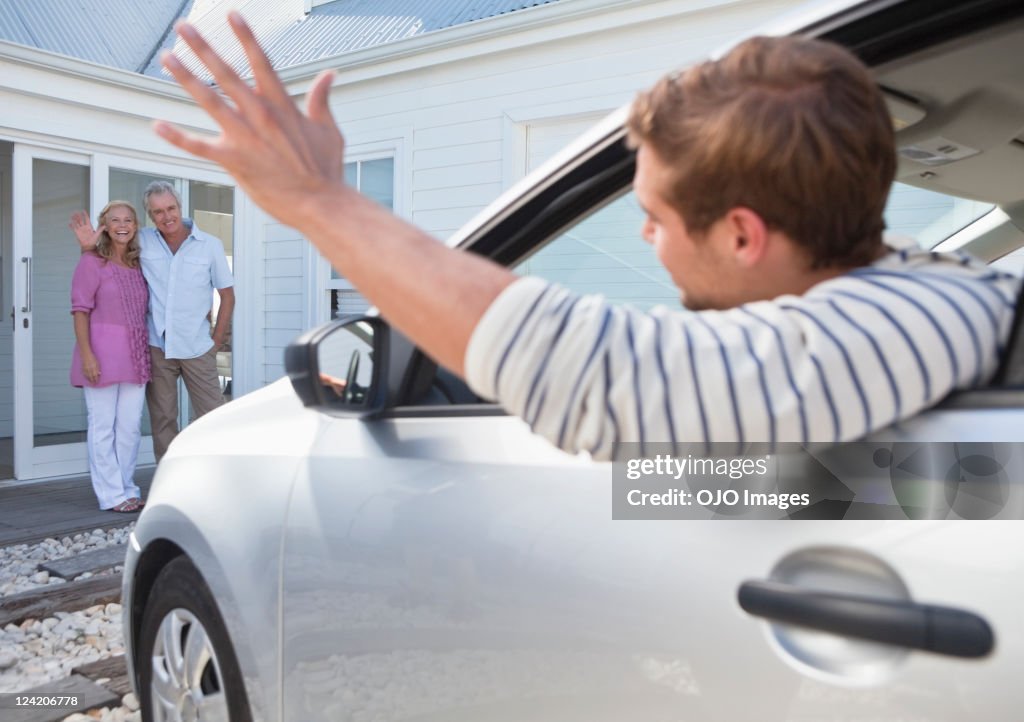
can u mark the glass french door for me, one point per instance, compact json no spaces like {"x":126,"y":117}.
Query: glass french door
{"x":49,"y":413}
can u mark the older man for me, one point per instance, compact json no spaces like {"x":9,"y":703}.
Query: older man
{"x":182,"y":266}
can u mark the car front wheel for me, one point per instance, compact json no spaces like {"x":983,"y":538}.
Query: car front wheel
{"x":187,"y":668}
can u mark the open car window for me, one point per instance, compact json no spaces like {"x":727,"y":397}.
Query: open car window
{"x":604,"y":254}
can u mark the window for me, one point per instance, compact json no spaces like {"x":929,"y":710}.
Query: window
{"x":212,"y":207}
{"x":605,"y":254}
{"x":376,"y":179}
{"x":927,"y":216}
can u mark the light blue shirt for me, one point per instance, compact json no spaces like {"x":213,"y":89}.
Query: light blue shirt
{"x":181,"y":289}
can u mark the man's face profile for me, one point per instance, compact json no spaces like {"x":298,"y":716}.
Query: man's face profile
{"x":691,"y":262}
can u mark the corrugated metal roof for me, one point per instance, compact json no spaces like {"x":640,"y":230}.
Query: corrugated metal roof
{"x":117,"y":33}
{"x":291,"y":37}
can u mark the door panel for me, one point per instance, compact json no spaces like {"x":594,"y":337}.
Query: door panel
{"x":458,"y":569}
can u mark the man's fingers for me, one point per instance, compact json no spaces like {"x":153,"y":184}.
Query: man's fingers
{"x":267,"y":82}
{"x":225,"y":76}
{"x":186,"y":141}
{"x":317,"y":107}
{"x":208,"y":99}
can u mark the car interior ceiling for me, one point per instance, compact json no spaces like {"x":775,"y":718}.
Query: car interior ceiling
{"x":969,"y":92}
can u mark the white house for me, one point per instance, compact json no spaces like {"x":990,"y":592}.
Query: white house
{"x":444,"y":104}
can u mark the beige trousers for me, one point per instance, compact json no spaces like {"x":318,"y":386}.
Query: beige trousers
{"x":200,"y":376}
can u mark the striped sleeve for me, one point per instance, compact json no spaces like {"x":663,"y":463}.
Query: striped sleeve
{"x":853,"y":355}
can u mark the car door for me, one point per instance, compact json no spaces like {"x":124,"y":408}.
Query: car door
{"x":458,"y":568}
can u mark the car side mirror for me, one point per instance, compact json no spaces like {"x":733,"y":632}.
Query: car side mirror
{"x":340,"y":367}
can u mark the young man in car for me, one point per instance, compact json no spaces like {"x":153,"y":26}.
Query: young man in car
{"x":764,"y":176}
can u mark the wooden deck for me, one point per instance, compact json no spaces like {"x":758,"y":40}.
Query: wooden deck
{"x":31,"y":512}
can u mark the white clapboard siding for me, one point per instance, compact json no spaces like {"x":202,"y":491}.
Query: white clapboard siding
{"x":284,"y":281}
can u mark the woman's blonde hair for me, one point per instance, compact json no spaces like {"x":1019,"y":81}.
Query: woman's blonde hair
{"x":105,"y":244}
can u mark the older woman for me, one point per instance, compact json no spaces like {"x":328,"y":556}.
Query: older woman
{"x":111,"y":357}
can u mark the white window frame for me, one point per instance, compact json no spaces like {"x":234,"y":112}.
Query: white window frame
{"x":318,"y":305}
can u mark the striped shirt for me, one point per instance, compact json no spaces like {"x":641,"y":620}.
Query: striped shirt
{"x":854,"y":354}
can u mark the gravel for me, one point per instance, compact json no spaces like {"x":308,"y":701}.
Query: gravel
{"x":40,"y":651}
{"x":19,"y":570}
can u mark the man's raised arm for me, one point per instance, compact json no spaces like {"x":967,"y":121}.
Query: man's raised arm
{"x":292,"y":164}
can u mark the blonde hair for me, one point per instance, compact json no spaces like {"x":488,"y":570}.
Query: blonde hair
{"x":105,"y":244}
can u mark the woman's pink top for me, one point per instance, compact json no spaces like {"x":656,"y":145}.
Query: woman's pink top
{"x":115,"y":298}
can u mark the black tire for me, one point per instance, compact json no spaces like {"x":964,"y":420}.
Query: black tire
{"x":179,"y":590}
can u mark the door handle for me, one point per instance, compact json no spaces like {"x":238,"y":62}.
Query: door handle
{"x":927,"y":627}
{"x":27,"y":260}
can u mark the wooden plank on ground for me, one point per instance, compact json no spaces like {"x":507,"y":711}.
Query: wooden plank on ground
{"x":111,"y":668}
{"x":70,"y":597}
{"x":62,"y":528}
{"x":94,"y":561}
{"x":87,"y":693}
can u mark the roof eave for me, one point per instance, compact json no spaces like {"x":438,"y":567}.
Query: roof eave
{"x":87,"y":70}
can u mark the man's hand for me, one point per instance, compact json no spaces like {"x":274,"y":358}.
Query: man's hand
{"x":281,"y":157}
{"x":87,"y":236}
{"x":333,"y":383}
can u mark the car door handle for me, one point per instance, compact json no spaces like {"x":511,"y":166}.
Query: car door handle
{"x":943,"y":630}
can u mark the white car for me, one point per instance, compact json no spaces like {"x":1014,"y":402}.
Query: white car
{"x":383,"y":545}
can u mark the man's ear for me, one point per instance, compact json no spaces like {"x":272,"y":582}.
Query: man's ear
{"x":749,"y":235}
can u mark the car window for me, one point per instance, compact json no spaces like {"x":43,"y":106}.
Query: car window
{"x":605,"y":254}
{"x":928,"y":216}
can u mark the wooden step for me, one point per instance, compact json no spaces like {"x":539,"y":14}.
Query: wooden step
{"x":111,"y":668}
{"x":70,"y":597}
{"x":94,"y":561}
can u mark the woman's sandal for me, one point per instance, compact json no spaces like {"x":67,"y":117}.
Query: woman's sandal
{"x":129,"y":506}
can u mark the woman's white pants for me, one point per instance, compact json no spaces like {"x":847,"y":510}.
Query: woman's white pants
{"x":115,"y":421}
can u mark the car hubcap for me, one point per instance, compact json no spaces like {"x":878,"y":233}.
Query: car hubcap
{"x":186,"y":682}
